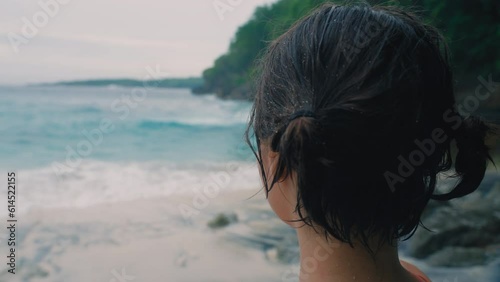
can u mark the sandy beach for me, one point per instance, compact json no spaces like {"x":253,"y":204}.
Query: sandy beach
{"x":151,"y":239}
{"x":143,"y":240}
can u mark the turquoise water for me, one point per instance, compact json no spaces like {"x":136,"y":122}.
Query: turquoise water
{"x":76,"y":146}
{"x":169,"y":125}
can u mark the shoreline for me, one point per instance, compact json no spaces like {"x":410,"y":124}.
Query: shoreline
{"x":146,"y":238}
{"x":150,"y":240}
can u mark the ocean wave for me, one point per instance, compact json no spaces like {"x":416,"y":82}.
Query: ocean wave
{"x":188,"y":123}
{"x":97,"y":182}
{"x":87,"y":110}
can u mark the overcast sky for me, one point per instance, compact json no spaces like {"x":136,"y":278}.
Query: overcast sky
{"x":81,"y":39}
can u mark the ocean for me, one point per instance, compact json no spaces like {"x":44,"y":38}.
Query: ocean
{"x":79,"y":146}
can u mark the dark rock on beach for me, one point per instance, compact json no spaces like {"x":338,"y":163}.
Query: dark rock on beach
{"x":463,"y":232}
{"x":222,"y":220}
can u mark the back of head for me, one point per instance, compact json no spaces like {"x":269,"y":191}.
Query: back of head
{"x":358,"y":103}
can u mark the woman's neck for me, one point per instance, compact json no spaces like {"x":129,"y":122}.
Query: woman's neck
{"x":325,"y":261}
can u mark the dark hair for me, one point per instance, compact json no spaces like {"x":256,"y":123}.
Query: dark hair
{"x":348,"y":97}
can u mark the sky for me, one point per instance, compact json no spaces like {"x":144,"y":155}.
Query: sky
{"x":60,"y":40}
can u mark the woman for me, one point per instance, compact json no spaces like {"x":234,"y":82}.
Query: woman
{"x":354,"y":118}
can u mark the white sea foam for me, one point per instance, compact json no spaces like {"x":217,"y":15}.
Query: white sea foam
{"x":96,"y":182}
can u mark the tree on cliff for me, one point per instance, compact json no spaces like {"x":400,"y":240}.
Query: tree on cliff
{"x":472,"y":28}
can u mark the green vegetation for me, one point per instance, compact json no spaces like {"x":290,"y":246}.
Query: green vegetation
{"x":191,"y":82}
{"x":471,"y":27}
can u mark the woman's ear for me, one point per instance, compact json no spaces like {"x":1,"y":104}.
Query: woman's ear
{"x":269,"y":161}
{"x":282,"y":196}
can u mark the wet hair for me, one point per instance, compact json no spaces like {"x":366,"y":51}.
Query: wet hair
{"x":358,"y":102}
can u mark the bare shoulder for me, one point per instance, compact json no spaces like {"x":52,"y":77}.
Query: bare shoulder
{"x":415,"y":271}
